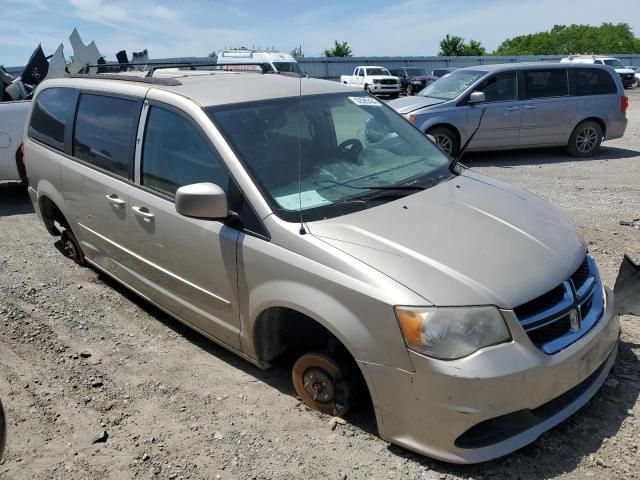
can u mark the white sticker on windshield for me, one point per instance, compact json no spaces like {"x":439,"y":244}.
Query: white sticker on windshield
{"x":307,"y":199}
{"x":365,"y":101}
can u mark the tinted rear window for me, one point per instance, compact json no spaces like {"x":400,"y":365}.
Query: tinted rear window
{"x":105,"y":131}
{"x":50,"y":113}
{"x":546,"y":83}
{"x":594,"y":81}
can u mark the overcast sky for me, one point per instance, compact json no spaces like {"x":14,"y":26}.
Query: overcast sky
{"x":372,"y":27}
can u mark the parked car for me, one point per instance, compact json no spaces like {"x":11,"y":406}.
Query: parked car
{"x":524,"y":105}
{"x":627,"y":76}
{"x":637,"y":75}
{"x":375,"y":80}
{"x":413,"y":79}
{"x":281,"y":62}
{"x":326,"y":228}
{"x":441,"y":72}
{"x":13,"y":116}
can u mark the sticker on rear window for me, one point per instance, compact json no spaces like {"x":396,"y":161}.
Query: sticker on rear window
{"x":306,"y":199}
{"x":365,"y":101}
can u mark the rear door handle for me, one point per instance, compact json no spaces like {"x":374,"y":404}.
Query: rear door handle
{"x":113,"y":199}
{"x":530,"y":107}
{"x":512,"y":109}
{"x":143,"y":212}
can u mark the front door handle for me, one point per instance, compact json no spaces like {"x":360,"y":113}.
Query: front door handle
{"x":530,"y":107}
{"x":113,"y":199}
{"x":143,"y":212}
{"x":512,"y":109}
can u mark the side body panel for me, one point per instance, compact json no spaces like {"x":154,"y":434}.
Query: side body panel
{"x":13,"y":117}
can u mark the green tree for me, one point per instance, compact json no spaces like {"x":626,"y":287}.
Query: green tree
{"x":455,"y":46}
{"x":340,"y":49}
{"x":473,"y":49}
{"x":572,"y":39}
{"x":297,"y":52}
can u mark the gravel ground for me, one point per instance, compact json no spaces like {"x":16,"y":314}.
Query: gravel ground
{"x":80,"y":356}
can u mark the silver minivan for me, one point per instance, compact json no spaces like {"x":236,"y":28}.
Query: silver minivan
{"x":298,"y":218}
{"x":521,"y":105}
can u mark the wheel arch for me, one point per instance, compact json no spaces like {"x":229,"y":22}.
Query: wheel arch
{"x":598,"y":120}
{"x":51,"y":212}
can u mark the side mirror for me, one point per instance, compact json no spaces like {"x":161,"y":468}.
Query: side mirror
{"x":202,"y":200}
{"x":476,"y":97}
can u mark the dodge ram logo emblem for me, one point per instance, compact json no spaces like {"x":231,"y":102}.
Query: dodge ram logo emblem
{"x":574,"y":320}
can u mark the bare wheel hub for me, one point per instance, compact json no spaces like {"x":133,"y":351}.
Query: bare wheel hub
{"x":318,"y":385}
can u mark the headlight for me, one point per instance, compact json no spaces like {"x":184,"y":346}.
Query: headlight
{"x":451,"y":332}
{"x":376,"y":80}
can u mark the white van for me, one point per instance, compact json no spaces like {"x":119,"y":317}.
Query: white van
{"x":279,"y":61}
{"x":627,"y":76}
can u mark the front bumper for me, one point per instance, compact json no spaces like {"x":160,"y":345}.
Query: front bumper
{"x":451,"y":411}
{"x":382,"y":89}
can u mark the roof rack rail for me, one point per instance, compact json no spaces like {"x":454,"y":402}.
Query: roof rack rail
{"x":153,"y":66}
{"x":167,"y":82}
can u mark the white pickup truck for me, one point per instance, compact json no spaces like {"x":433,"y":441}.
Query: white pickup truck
{"x":375,"y":80}
{"x":13,"y":116}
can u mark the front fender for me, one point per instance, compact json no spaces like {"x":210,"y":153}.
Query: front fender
{"x":430,"y":122}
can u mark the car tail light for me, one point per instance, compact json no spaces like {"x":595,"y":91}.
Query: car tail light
{"x":624,"y":103}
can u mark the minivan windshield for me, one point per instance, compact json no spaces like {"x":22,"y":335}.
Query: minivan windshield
{"x":614,"y":62}
{"x":331,"y":154}
{"x":288,"y":67}
{"x":452,"y":84}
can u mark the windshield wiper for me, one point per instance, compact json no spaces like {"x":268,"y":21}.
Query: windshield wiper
{"x":373,"y":187}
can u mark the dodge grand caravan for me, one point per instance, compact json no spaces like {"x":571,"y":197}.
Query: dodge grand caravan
{"x":525,"y":105}
{"x":284,"y":216}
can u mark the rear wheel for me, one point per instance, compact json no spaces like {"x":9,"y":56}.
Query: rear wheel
{"x":446,"y":139}
{"x":71,"y":247}
{"x":323,"y":383}
{"x":585,"y":139}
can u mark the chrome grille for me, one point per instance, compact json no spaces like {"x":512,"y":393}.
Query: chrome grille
{"x":556,"y":319}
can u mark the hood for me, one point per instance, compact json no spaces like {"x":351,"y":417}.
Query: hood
{"x":624,"y":71}
{"x":471,"y":240}
{"x":409,"y":104}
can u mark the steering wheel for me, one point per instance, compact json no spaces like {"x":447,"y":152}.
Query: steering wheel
{"x":350,"y":149}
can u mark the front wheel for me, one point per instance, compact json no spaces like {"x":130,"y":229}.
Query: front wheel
{"x":323,"y":384}
{"x":585,"y":139}
{"x":446,"y":139}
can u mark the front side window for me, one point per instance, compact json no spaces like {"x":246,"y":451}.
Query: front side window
{"x":499,"y":88}
{"x":50,"y":113}
{"x":546,"y":83}
{"x":287,"y":67}
{"x":594,"y":81}
{"x":175,"y":154}
{"x":352,"y":149}
{"x":105,"y":131}
{"x":453,"y":84}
